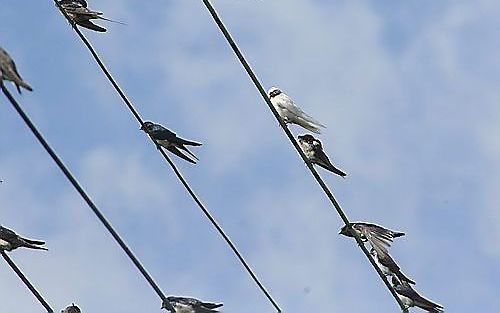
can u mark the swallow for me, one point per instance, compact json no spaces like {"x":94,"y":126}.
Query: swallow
{"x":9,"y":241}
{"x":72,"y":309}
{"x":378,"y":236}
{"x":388,"y":266}
{"x":78,"y":12}
{"x":190,"y":305}
{"x":313,"y":150}
{"x":169,"y":140}
{"x":411,"y":298}
{"x":290,"y":113}
{"x":8,"y":71}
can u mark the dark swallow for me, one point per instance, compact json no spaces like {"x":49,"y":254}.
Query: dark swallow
{"x":78,"y":12}
{"x":411,"y":298}
{"x":378,"y":236}
{"x":313,"y":150}
{"x":190,"y":305}
{"x":8,"y":71}
{"x":72,"y":309}
{"x":388,"y":266}
{"x":9,"y":241}
{"x":169,"y":140}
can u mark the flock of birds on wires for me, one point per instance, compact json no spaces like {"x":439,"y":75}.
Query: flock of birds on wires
{"x":378,"y":237}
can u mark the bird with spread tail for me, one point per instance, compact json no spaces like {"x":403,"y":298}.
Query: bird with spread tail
{"x":169,"y":140}
{"x":78,"y":12}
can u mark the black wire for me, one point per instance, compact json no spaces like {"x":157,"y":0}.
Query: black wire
{"x":318,"y":178}
{"x":27,"y":282}
{"x":83,"y":194}
{"x":174,"y":168}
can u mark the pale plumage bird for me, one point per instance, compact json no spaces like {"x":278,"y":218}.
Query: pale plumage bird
{"x":378,"y":236}
{"x":411,"y":298}
{"x":191,"y":305}
{"x":9,"y":241}
{"x":72,"y":309}
{"x":290,"y":113}
{"x":8,"y":71}
{"x":388,"y":266}
{"x":169,"y":140}
{"x":78,"y":12}
{"x":313,"y":150}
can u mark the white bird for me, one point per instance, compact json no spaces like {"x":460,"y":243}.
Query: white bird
{"x":290,"y":113}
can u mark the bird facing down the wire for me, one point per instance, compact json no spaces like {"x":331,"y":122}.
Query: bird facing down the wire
{"x":313,"y":150}
{"x":78,"y":12}
{"x":169,"y":140}
{"x":72,"y":309}
{"x":290,"y":113}
{"x":378,"y":236}
{"x":388,"y":266}
{"x":9,"y":241}
{"x":8,"y":71}
{"x":190,"y":305}
{"x":411,"y":298}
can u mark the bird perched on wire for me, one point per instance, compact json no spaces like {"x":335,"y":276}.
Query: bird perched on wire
{"x":8,"y":71}
{"x":169,"y":140}
{"x":191,"y":305}
{"x":388,"y":266}
{"x":9,"y":241}
{"x":78,"y":12}
{"x":290,"y":113}
{"x":411,"y":298}
{"x":72,"y":309}
{"x":378,"y":236}
{"x":313,"y":150}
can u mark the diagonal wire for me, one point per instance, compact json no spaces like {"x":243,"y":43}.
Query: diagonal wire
{"x":84,"y":195}
{"x":320,"y":181}
{"x":26,"y":282}
{"x":169,"y":161}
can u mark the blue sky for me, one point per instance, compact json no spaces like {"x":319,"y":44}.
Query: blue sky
{"x":408,"y":91}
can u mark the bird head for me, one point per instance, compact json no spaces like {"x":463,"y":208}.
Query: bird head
{"x":273,"y":92}
{"x":345,"y":231}
{"x":147,"y":126}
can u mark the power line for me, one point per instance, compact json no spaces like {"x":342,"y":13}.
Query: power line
{"x":318,"y":178}
{"x":169,"y":161}
{"x":27,"y":282}
{"x":83,"y":194}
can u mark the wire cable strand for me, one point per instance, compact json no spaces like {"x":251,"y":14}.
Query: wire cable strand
{"x":172,"y":165}
{"x":27,"y":282}
{"x":318,"y":178}
{"x":84,"y":195}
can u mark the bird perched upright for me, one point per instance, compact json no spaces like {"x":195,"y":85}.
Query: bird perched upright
{"x":72,"y":309}
{"x":169,"y":140}
{"x":314,"y":152}
{"x":290,"y":113}
{"x":388,"y":266}
{"x":411,"y":298}
{"x":78,"y":12}
{"x":8,"y":71}
{"x":191,"y":305}
{"x":378,"y":236}
{"x":9,"y":241}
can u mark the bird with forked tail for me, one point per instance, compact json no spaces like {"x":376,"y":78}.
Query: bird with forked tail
{"x":9,"y":241}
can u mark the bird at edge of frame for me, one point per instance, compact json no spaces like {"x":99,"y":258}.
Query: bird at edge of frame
{"x":190,"y":305}
{"x":72,"y":309}
{"x":379,"y":237}
{"x":8,"y":71}
{"x":9,"y":241}
{"x":169,"y":140}
{"x":78,"y":12}
{"x":411,"y":298}
{"x":290,"y":113}
{"x":313,"y":150}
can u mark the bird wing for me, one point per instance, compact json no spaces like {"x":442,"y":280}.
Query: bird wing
{"x":163,"y":134}
{"x":176,"y":151}
{"x":88,"y":24}
{"x":7,"y":234}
